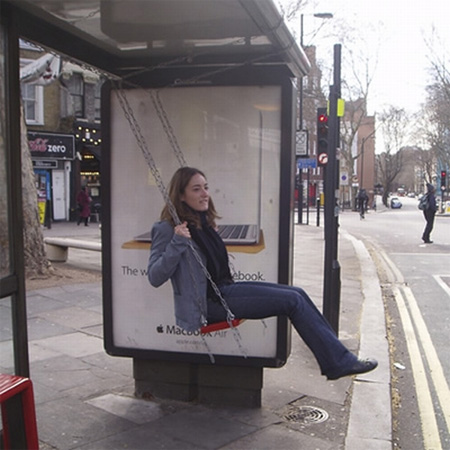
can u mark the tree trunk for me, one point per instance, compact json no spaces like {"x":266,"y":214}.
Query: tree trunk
{"x":36,"y":262}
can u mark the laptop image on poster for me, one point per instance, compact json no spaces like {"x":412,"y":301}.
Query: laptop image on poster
{"x":230,"y":234}
{"x":243,"y":234}
{"x":237,"y":234}
{"x":247,"y":234}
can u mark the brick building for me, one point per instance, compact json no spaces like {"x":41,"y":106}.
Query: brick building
{"x":63,"y":123}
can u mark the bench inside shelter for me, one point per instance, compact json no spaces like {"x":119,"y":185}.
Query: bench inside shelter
{"x":57,"y":248}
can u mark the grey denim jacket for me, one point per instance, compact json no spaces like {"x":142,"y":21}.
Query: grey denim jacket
{"x":172,"y":258}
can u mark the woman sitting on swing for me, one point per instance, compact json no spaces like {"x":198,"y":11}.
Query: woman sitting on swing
{"x":171,"y":258}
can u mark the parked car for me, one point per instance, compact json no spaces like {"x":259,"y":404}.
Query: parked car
{"x":396,"y":203}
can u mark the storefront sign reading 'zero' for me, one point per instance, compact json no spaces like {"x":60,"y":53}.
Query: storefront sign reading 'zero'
{"x":53,"y":146}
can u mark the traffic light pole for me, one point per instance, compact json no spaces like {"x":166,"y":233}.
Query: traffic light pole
{"x":443,"y":188}
{"x":300,"y":196}
{"x":332,"y":269}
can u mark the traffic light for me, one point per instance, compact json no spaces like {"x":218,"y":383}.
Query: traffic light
{"x":322,"y":136}
{"x":443,"y":179}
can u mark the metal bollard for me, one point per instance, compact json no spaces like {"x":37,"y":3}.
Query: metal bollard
{"x":318,"y":211}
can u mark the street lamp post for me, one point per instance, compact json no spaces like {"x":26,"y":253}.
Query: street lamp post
{"x":300,"y":120}
{"x":318,"y":16}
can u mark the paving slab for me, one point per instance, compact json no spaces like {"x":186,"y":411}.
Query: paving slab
{"x":83,"y":423}
{"x":133,"y":409}
{"x":85,"y":398}
{"x":72,"y":344}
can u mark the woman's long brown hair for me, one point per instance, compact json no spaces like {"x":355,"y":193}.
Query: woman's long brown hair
{"x":177,"y":187}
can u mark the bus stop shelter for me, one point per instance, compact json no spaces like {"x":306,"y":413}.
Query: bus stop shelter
{"x":190,"y":42}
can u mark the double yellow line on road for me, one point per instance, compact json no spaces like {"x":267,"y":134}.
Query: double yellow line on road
{"x":417,"y":335}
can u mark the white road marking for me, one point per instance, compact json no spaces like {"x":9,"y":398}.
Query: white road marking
{"x":442,"y":283}
{"x":434,"y":255}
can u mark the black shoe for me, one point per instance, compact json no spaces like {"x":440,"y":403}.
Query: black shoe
{"x":360,"y":366}
{"x":427,"y":241}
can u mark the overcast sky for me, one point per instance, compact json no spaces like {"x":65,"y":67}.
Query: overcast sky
{"x":397,"y":28}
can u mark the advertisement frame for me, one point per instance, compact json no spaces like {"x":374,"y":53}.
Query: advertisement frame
{"x":285,"y":238}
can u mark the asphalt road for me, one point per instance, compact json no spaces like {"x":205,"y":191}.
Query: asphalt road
{"x":416,"y":286}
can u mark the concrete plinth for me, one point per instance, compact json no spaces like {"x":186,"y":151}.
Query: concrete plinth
{"x":206,"y":384}
{"x":56,"y":253}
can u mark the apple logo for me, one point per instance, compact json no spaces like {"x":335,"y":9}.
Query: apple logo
{"x":160,"y":329}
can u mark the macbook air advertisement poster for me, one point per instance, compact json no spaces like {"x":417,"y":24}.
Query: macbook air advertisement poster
{"x":232,"y":134}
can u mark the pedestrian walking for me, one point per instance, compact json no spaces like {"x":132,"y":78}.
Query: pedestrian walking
{"x":429,"y":213}
{"x":84,"y":206}
{"x":363,"y":200}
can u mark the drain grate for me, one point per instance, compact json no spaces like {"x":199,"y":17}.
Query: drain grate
{"x":306,"y":414}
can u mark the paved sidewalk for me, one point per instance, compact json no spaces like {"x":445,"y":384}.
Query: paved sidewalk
{"x":84,"y":398}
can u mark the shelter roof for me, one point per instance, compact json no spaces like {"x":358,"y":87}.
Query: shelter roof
{"x":125,"y":35}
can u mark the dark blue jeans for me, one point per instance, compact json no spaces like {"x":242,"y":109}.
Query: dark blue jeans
{"x":429,"y":217}
{"x":257,"y":300}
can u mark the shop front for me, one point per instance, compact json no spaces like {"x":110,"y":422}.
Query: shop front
{"x":52,"y":155}
{"x":88,"y":151}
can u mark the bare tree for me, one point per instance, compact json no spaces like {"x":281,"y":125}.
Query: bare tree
{"x":436,"y":110}
{"x":359,"y":63}
{"x":36,"y":262}
{"x":427,"y":165}
{"x":428,"y":137}
{"x":437,"y":114}
{"x":394,"y":127}
{"x":290,"y":8}
{"x":432,"y":123}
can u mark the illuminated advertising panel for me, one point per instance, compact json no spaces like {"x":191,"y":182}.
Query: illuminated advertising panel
{"x":232,"y":134}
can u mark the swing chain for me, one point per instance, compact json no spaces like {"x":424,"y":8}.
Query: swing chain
{"x":129,"y":115}
{"x":136,"y":129}
{"x":162,"y":115}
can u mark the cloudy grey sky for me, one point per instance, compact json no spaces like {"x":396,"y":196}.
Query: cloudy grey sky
{"x":395,"y":32}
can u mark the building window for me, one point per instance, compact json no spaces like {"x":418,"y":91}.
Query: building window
{"x":76,"y":89}
{"x":33,"y":99}
{"x":97,"y":99}
{"x":33,"y":103}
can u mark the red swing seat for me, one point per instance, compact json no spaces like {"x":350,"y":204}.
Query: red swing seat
{"x":218,"y":326}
